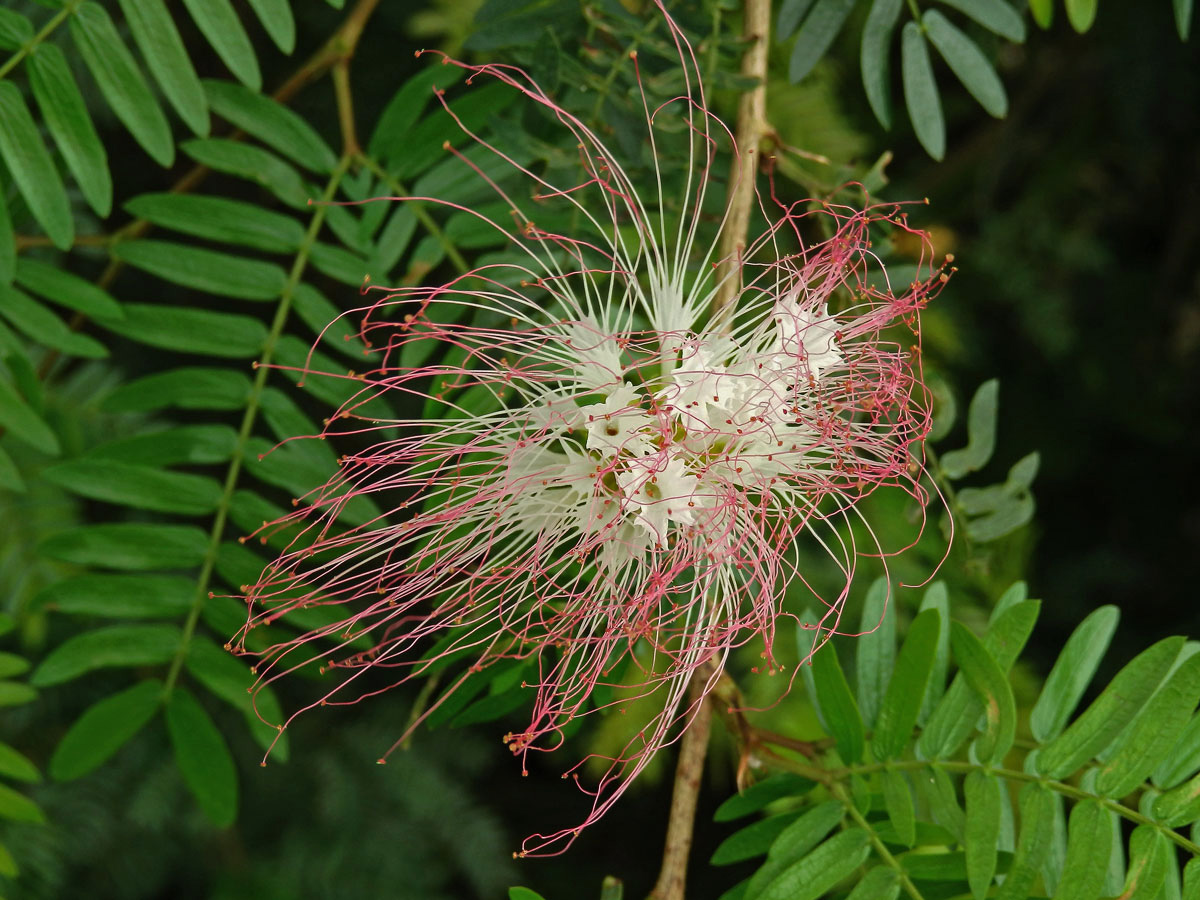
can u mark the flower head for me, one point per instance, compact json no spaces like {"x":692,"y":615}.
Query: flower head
{"x":598,"y":465}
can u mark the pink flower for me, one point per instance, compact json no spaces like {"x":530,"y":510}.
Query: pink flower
{"x":596,"y":468}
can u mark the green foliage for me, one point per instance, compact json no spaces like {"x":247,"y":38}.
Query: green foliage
{"x":14,"y":765}
{"x":943,"y":822}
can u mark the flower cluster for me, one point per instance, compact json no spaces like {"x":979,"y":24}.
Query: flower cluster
{"x":598,"y":464}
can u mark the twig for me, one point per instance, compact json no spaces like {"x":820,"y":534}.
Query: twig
{"x":751,"y":127}
{"x":672,"y":877}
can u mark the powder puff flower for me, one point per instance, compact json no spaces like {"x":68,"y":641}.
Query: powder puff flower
{"x":599,"y":467}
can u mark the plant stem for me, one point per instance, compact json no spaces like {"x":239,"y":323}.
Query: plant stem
{"x":262,"y":369}
{"x":839,"y":792}
{"x":672,"y":877}
{"x":751,"y":126}
{"x":61,"y":16}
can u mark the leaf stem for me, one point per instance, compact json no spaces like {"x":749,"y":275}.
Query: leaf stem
{"x":839,"y":792}
{"x":61,"y":16}
{"x":262,"y":369}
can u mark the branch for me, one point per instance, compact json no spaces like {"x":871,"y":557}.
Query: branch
{"x":751,"y":127}
{"x":672,"y":878}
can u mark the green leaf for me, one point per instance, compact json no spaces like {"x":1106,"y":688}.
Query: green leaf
{"x":837,"y":704}
{"x":880,"y":883}
{"x":253,"y":164}
{"x":790,"y":14}
{"x":334,"y":327}
{"x":937,"y":598}
{"x":1037,"y":821}
{"x":121,"y":81}
{"x":32,"y":167}
{"x":143,"y":487}
{"x":1149,"y":857}
{"x":204,"y":270}
{"x":751,"y":841}
{"x":816,"y":34}
{"x":761,"y":794}
{"x":1043,"y":12}
{"x":220,"y":219}
{"x":825,"y":867}
{"x":1153,"y":733}
{"x":906,"y":689}
{"x":188,"y":330}
{"x":113,"y":646}
{"x":223,"y":29}
{"x":404,"y":109}
{"x":425,"y":143}
{"x":1110,"y":712}
{"x":10,"y":476}
{"x":876,"y":57}
{"x":13,"y":693}
{"x":45,"y":327}
{"x":523,"y":893}
{"x":1191,"y":880}
{"x":1183,"y":17}
{"x":232,"y":680}
{"x":1183,"y":760}
{"x":129,"y":546}
{"x":15,"y":765}
{"x":157,"y":37}
{"x":203,"y":758}
{"x":19,"y":808}
{"x":186,"y":388}
{"x":11,"y":665}
{"x":15,"y":30}
{"x":984,"y":795}
{"x":119,"y":596}
{"x":997,"y":16}
{"x":1089,"y":843}
{"x":273,"y":124}
{"x":1081,"y":14}
{"x":1072,"y":672}
{"x":876,"y":650}
{"x":968,"y":62}
{"x":71,"y":291}
{"x":985,"y":677}
{"x":795,"y":842}
{"x":67,"y":119}
{"x":898,"y":801}
{"x":920,"y":92}
{"x":103,"y":729}
{"x":172,"y":446}
{"x":8,"y":247}
{"x":17,"y":417}
{"x":981,"y":433}
{"x":276,"y":18}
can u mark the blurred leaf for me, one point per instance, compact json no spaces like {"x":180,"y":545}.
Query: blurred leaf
{"x":816,"y":35}
{"x":32,"y":168}
{"x":67,"y":119}
{"x":276,"y":18}
{"x":121,"y":81}
{"x":45,"y":327}
{"x":172,"y":446}
{"x":8,"y":246}
{"x":523,"y":893}
{"x":223,"y":29}
{"x":1149,"y":857}
{"x":921,"y":93}
{"x":15,"y":30}
{"x":876,"y":57}
{"x":157,"y":37}
{"x":1081,"y":14}
{"x":220,"y":219}
{"x":273,"y":124}
{"x":204,"y":270}
{"x":937,"y":598}
{"x":108,"y":647}
{"x":232,"y":680}
{"x":143,"y":487}
{"x":1043,"y":12}
{"x":199,"y":331}
{"x":404,"y":109}
{"x":15,"y":765}
{"x":761,"y":794}
{"x":71,"y":291}
{"x":186,"y":388}
{"x":984,"y":796}
{"x":981,"y":433}
{"x":203,"y":758}
{"x":119,"y":596}
{"x":1183,"y":17}
{"x":253,"y":164}
{"x":790,"y":14}
{"x":10,"y":476}
{"x":13,"y":693}
{"x":880,"y":883}
{"x":1072,"y":672}
{"x":906,"y":689}
{"x":19,"y":808}
{"x":968,"y":62}
{"x":103,"y":729}
{"x":1110,"y":712}
{"x":996,"y":16}
{"x":129,"y":546}
{"x":17,"y":417}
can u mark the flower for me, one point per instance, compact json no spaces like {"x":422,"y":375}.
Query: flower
{"x":605,"y":467}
